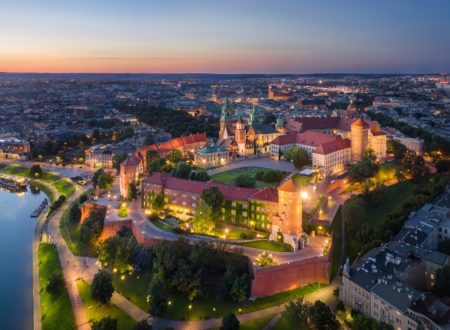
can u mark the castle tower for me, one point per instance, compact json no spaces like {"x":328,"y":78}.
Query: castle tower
{"x":240,"y":135}
{"x":289,"y":219}
{"x":360,"y":139}
{"x":223,"y":119}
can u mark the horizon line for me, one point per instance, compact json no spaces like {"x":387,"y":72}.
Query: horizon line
{"x":214,"y":73}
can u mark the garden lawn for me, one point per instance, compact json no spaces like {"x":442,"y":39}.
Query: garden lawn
{"x":236,"y":233}
{"x":392,"y":200}
{"x":42,"y":187}
{"x":135,"y":288}
{"x":269,"y":245}
{"x":228,"y":177}
{"x":337,"y":239}
{"x":64,"y":187}
{"x":56,"y":311}
{"x":95,"y":311}
{"x":71,"y":234}
{"x":163,"y":225}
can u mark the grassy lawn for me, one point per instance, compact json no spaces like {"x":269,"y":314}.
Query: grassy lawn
{"x":337,"y":238}
{"x":2,"y":166}
{"x":135,"y":288}
{"x":71,"y":233}
{"x":269,"y":245}
{"x":228,"y":177}
{"x":393,"y":198}
{"x":56,"y":311}
{"x":163,"y":225}
{"x":256,"y":324}
{"x":282,"y":324}
{"x":42,"y":187}
{"x":64,"y":187}
{"x":235,"y":232}
{"x":96,"y":311}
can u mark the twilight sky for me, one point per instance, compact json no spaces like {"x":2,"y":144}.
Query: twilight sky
{"x":226,"y":36}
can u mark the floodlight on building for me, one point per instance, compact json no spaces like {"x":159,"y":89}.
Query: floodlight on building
{"x":304,"y":195}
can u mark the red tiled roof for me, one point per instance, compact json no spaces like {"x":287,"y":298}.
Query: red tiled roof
{"x":332,"y":146}
{"x":288,"y":186}
{"x":266,"y":194}
{"x":228,"y":191}
{"x":310,"y":138}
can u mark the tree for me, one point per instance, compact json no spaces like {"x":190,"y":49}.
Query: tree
{"x":55,"y":285}
{"x":175,"y":156}
{"x":151,"y":156}
{"x":91,"y":229}
{"x":35,"y":171}
{"x":364,"y":169}
{"x":321,"y":317}
{"x":245,"y":180}
{"x":106,"y":323}
{"x":362,"y":322}
{"x":296,"y":314}
{"x":118,"y":159}
{"x":239,"y":288}
{"x":158,"y":202}
{"x":265,"y":259}
{"x":230,"y":322}
{"x":202,"y":176}
{"x":445,"y":246}
{"x":75,"y":214}
{"x":158,"y":297}
{"x":214,"y":198}
{"x":442,"y":285}
{"x":353,"y":213}
{"x":105,"y":181}
{"x":259,"y":174}
{"x":182,"y":170}
{"x":203,"y":219}
{"x":297,"y":156}
{"x":143,"y":325}
{"x":396,"y":148}
{"x":443,"y":165}
{"x":132,"y":192}
{"x":102,"y":288}
{"x":96,"y":176}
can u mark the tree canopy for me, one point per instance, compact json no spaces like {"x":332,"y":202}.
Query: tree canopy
{"x":102,"y":288}
{"x":214,"y":198}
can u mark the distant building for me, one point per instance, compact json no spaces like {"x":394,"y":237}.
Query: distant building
{"x":211,"y":156}
{"x":273,"y":210}
{"x":389,"y":282}
{"x":13,"y":148}
{"x":99,"y":157}
{"x":412,"y":144}
{"x":279,"y":93}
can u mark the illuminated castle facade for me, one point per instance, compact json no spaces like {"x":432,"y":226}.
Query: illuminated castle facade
{"x":244,"y":137}
{"x":278,"y":211}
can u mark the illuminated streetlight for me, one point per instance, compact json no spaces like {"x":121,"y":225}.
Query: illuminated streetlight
{"x":304,"y":195}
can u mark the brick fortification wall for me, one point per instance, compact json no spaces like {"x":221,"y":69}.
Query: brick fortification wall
{"x":111,"y":228}
{"x":272,"y":280}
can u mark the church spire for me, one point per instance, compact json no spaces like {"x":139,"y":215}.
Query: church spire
{"x":253,"y":116}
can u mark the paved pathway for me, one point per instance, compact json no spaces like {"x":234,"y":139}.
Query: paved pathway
{"x":69,"y":264}
{"x":265,"y":162}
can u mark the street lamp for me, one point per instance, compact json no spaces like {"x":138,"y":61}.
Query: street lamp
{"x":304,"y":195}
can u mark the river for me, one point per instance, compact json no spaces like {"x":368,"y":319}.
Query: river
{"x":16,"y":279}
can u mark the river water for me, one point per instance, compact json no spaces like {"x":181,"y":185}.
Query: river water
{"x":16,"y":279}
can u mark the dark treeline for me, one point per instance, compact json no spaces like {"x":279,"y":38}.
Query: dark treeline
{"x":177,"y":123}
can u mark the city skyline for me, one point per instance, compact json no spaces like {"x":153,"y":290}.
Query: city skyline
{"x":232,"y":37}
